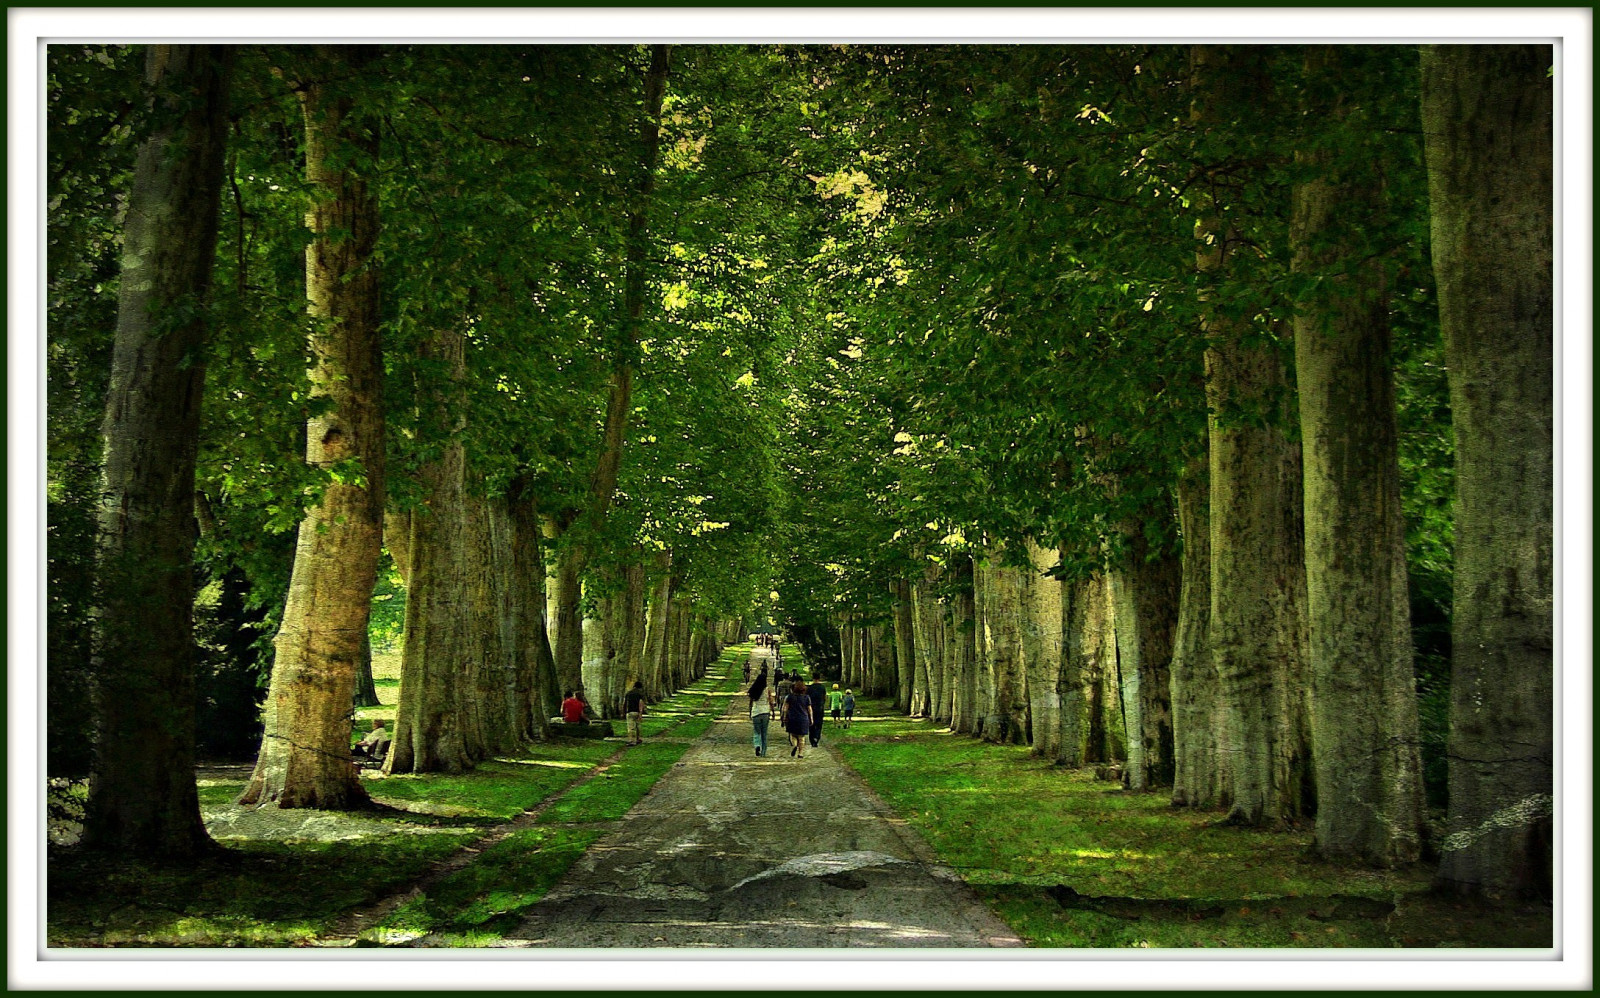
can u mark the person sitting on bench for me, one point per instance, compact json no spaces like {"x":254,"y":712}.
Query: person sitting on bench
{"x":375,"y":746}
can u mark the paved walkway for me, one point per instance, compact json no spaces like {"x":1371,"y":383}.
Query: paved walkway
{"x":729,"y":850}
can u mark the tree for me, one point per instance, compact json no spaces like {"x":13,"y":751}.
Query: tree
{"x":1487,"y":123}
{"x":305,"y":750}
{"x":142,"y":796}
{"x":1363,"y":694}
{"x":1258,"y":629}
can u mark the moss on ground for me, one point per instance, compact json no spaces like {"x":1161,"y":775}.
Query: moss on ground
{"x":1069,"y":860}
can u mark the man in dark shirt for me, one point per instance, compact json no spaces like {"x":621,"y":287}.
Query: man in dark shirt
{"x":819,"y":702}
{"x":633,"y":705}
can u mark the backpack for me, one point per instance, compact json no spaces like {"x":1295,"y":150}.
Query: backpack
{"x":849,"y":702}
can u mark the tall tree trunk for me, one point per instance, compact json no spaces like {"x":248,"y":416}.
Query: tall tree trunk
{"x":1103,"y":742}
{"x":1145,"y":594}
{"x":1363,"y":691}
{"x":982,"y":657}
{"x":489,"y":564}
{"x":436,"y":726}
{"x":905,"y":644}
{"x":883,"y":678}
{"x":568,"y":617}
{"x":142,"y":797}
{"x":1258,"y":626}
{"x":657,"y":678}
{"x":1487,"y":121}
{"x":1074,"y":674}
{"x":1008,"y":710}
{"x":926,"y":614}
{"x":964,"y":692}
{"x":537,"y":698}
{"x":366,"y":689}
{"x":1196,"y":721}
{"x":1042,"y":648}
{"x":305,"y":751}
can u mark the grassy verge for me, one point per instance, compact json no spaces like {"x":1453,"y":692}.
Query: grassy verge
{"x":285,"y":877}
{"x":1068,"y":860}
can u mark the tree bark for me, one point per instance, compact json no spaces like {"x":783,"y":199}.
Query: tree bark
{"x":568,"y":617}
{"x":1363,"y":690}
{"x":305,"y":751}
{"x":1258,"y":627}
{"x":366,"y":689}
{"x":1042,"y":648}
{"x":1487,"y":114}
{"x":1008,"y":718}
{"x":1145,"y":596}
{"x":1071,"y":706}
{"x":537,"y":698}
{"x":657,"y":677}
{"x":1103,"y":742}
{"x":928,"y":624}
{"x":436,"y":727}
{"x":1197,"y":731}
{"x":142,"y":796}
{"x":905,"y":643}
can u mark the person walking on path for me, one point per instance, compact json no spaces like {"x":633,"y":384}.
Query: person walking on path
{"x":797,"y":718}
{"x":819,"y":705}
{"x":633,"y":706}
{"x":836,"y":703}
{"x":760,"y":713}
{"x":849,"y":705}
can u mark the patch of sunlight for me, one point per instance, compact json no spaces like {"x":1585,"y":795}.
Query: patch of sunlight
{"x":908,"y":932}
{"x":1093,"y":853}
{"x":552,"y":763}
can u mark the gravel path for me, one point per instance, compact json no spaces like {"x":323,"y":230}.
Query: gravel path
{"x":729,"y":850}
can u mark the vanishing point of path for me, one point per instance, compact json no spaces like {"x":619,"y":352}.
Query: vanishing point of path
{"x":729,"y":850}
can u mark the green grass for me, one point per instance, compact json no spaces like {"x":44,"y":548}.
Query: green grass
{"x":479,"y":903}
{"x":256,"y":894}
{"x":499,"y":788}
{"x":1139,"y":872}
{"x":613,"y":793}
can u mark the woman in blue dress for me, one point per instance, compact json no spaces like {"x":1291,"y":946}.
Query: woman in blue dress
{"x":797,"y":718}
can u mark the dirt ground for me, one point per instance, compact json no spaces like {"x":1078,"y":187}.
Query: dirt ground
{"x":731,"y":850}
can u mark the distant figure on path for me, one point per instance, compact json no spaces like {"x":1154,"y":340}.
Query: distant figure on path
{"x":849,"y":707}
{"x":747,"y":670}
{"x":835,"y":702}
{"x":797,"y":718}
{"x":819,"y":705}
{"x":760,"y":713}
{"x":633,"y":707}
